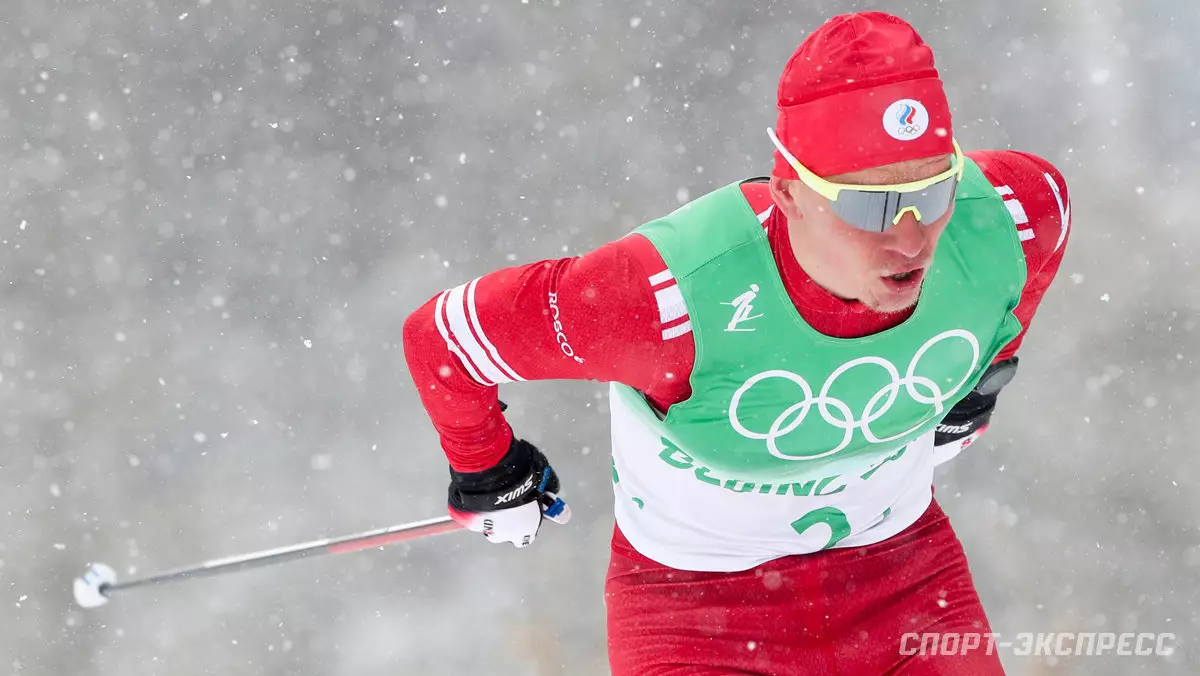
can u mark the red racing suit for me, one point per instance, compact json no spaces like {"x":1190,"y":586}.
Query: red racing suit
{"x":602,"y":316}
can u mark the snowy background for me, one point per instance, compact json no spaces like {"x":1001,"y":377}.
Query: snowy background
{"x":217,"y":213}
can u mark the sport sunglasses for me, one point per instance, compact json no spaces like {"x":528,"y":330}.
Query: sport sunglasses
{"x":875,"y":208}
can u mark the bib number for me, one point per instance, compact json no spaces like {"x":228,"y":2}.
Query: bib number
{"x":839,"y":525}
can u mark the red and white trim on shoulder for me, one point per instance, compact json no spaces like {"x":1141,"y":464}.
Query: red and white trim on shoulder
{"x":672,"y":311}
{"x":1017,"y":211}
{"x":458,"y":322}
{"x":1064,"y":210}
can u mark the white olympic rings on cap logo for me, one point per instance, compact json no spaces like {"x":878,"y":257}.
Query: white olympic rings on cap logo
{"x":922,"y":390}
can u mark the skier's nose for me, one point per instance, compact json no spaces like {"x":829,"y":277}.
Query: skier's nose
{"x":907,"y":237}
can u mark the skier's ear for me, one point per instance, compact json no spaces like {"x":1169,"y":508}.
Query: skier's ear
{"x":781,"y":192}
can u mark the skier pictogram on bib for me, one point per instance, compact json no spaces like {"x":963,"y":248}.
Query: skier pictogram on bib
{"x":743,"y":306}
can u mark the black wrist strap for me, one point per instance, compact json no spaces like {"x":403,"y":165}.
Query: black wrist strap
{"x":510,"y":483}
{"x":517,"y":461}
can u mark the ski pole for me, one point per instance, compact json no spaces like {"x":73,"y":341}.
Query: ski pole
{"x":94,"y":587}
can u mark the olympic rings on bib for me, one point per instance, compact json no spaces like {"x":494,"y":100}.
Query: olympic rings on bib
{"x":920,"y":389}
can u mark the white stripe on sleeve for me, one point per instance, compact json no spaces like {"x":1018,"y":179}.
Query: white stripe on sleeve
{"x":460,"y":327}
{"x":670,"y":303}
{"x":487,"y":344}
{"x":1017,"y":210}
{"x":450,"y":342}
{"x":1064,"y":211}
{"x":661,"y":277}
{"x":677,"y":330}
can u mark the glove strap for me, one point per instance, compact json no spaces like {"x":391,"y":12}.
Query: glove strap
{"x":517,"y":479}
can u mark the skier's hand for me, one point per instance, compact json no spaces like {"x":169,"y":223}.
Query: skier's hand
{"x":962,"y":426}
{"x":508,"y":502}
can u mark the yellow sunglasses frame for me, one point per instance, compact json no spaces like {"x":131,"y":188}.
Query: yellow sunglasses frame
{"x":830,"y":190}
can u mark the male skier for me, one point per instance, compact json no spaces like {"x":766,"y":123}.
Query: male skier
{"x":773,"y":455}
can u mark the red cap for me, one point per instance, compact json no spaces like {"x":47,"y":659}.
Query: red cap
{"x":861,"y":91}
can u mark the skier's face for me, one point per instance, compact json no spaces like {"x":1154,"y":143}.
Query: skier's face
{"x":883,"y":270}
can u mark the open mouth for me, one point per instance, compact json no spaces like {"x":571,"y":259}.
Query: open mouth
{"x":902,"y":281}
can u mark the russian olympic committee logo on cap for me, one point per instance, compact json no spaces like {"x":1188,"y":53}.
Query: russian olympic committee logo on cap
{"x":837,"y":413}
{"x":906,"y":120}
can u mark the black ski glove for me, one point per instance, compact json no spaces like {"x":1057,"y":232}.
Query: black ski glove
{"x":970,"y":417}
{"x":508,"y":502}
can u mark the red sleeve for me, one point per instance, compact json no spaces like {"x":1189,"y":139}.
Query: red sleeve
{"x":614,"y":314}
{"x":1036,"y":196}
{"x":591,"y":317}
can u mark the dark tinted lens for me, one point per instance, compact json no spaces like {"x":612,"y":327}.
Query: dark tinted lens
{"x":875,"y":211}
{"x":932,"y":202}
{"x":864,"y":210}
